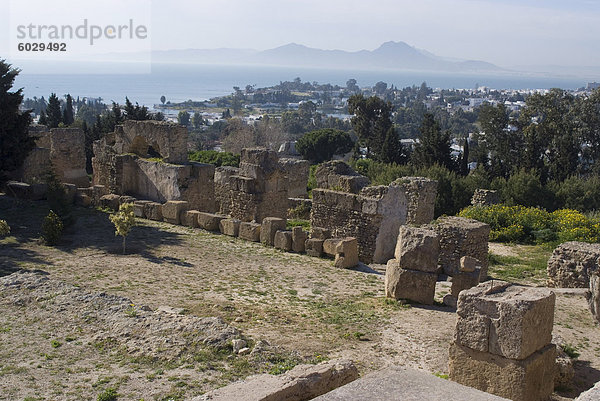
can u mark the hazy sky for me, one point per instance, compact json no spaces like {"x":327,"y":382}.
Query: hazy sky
{"x":504,"y":32}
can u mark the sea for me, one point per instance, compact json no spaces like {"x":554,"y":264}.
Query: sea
{"x":181,"y":82}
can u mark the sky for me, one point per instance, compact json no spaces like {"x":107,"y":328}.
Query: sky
{"x":504,"y":32}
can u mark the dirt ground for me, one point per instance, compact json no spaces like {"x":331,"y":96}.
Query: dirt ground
{"x":304,"y":307}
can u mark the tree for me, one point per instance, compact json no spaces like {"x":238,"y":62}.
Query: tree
{"x":136,"y":112}
{"x":183,"y":118}
{"x":68,"y":114}
{"x":499,"y":143}
{"x":124,"y":221}
{"x":371,"y":122}
{"x":320,"y":145}
{"x":163,"y":99}
{"x":351,"y":86}
{"x":15,"y":142}
{"x":53,"y":113}
{"x":380,"y":87}
{"x":42,"y":120}
{"x":434,"y":146}
{"x":197,"y":120}
{"x":392,"y":150}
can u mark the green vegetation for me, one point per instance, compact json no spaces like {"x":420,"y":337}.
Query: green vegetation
{"x":110,"y":394}
{"x":570,"y":350}
{"x":4,"y":228}
{"x":534,"y":225}
{"x":320,"y":145}
{"x":213,"y":157}
{"x":124,"y":221}
{"x":52,"y":228}
{"x":528,"y":264}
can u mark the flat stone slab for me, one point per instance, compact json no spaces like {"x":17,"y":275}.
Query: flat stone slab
{"x":402,"y":384}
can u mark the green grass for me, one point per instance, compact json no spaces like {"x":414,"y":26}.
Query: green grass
{"x":110,"y":394}
{"x":528,"y":266}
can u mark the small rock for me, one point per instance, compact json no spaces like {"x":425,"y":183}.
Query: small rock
{"x":244,"y":351}
{"x":238,"y":345}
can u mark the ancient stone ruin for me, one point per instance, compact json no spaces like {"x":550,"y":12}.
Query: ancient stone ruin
{"x":502,"y":343}
{"x":345,"y":206}
{"x":572,"y":263}
{"x":62,"y":149}
{"x":485,"y":197}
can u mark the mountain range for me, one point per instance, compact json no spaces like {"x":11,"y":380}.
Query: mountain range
{"x":390,"y":55}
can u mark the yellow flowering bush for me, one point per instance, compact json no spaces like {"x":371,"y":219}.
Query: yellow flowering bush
{"x":529,"y":224}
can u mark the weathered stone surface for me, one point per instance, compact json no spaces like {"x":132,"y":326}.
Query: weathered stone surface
{"x":303,"y":382}
{"x":592,"y":394}
{"x":223,"y":193}
{"x":166,"y":139}
{"x":67,"y":155}
{"x":469,"y":264}
{"x":320,"y":233}
{"x":463,"y":281}
{"x":314,"y":247}
{"x":330,"y":246}
{"x":250,"y":231}
{"x":209,"y":221}
{"x":172,"y":211}
{"x":462,"y":237}
{"x":506,"y":320}
{"x":153,"y":211}
{"x":564,"y":365}
{"x":139,"y":208}
{"x":110,"y":201}
{"x":189,"y":218}
{"x":126,"y":199}
{"x":299,"y":237}
{"x":70,"y":190}
{"x":346,"y":253}
{"x":420,"y":193}
{"x":402,"y":384}
{"x":593,"y":296}
{"x":19,"y":190}
{"x":297,"y":172}
{"x":530,"y":379}
{"x":83,"y":200}
{"x":283,"y":240}
{"x":270,"y":225}
{"x":411,"y":285}
{"x":230,"y":227}
{"x":485,"y":197}
{"x":339,"y":176}
{"x":418,"y":249}
{"x":572,"y":263}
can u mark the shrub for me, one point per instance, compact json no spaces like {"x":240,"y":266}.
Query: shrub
{"x":124,"y":220}
{"x":52,"y":228}
{"x":217,"y":158}
{"x":58,"y":200}
{"x":4,"y":228}
{"x":110,"y":394}
{"x":320,"y":145}
{"x":524,"y":188}
{"x":529,"y":224}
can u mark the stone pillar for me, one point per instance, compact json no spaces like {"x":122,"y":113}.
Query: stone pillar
{"x":485,"y":197}
{"x":413,"y":273}
{"x":502,"y":343}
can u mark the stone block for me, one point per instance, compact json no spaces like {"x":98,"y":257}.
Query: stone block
{"x":314,"y":247}
{"x":209,"y":221}
{"x":189,"y":218}
{"x":469,"y":264}
{"x":110,"y":201}
{"x":320,"y":233}
{"x":83,"y":200}
{"x":418,"y":249}
{"x":153,"y":211}
{"x":19,"y":190}
{"x":230,"y":227}
{"x":126,"y":199}
{"x":299,"y":237}
{"x":172,"y":211}
{"x":572,"y":263}
{"x":38,"y":192}
{"x":530,"y":379}
{"x":592,"y":394}
{"x":506,"y":320}
{"x":412,"y":285}
{"x":463,"y":281}
{"x":346,"y":253}
{"x":250,"y":231}
{"x":70,"y":191}
{"x":330,"y":246}
{"x":139,"y":208}
{"x":270,"y":225}
{"x":283,"y":240}
{"x":593,"y":296}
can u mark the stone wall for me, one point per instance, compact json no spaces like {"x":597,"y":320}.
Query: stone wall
{"x":373,"y":217}
{"x":223,"y":189}
{"x":339,"y":176}
{"x":61,"y":148}
{"x":462,"y":237}
{"x":297,"y":172}
{"x":421,"y":193}
{"x":153,"y":139}
{"x":572,"y":263}
{"x":485,"y":197}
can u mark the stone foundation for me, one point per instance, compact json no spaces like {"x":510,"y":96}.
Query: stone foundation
{"x":572,"y":263}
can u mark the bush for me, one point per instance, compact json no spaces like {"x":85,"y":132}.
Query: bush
{"x":123,"y":220}
{"x":213,"y":157}
{"x":52,"y":228}
{"x":4,"y":228}
{"x":529,"y":224}
{"x":320,"y":145}
{"x":58,"y":200}
{"x":524,"y":188}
